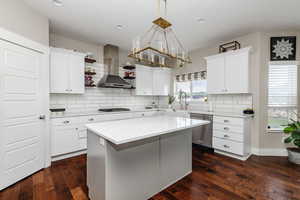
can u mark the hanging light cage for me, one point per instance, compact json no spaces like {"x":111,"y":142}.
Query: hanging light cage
{"x":160,"y":46}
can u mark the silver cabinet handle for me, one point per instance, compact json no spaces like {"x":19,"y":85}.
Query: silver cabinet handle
{"x":66,"y":122}
{"x":226,"y":146}
{"x":226,"y":136}
{"x":91,"y":119}
{"x":42,"y":117}
{"x":226,"y":128}
{"x":226,"y":121}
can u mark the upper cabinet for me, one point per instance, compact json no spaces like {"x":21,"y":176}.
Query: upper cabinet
{"x":66,"y":71}
{"x":161,"y":81}
{"x":144,"y":80}
{"x":228,"y":73}
{"x":152,"y":81}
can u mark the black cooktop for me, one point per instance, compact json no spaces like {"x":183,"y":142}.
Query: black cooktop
{"x":114,"y":109}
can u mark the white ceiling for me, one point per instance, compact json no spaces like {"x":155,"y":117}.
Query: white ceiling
{"x":96,"y":20}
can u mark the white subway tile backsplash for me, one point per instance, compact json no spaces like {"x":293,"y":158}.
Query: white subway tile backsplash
{"x":95,"y":98}
{"x":232,"y":103}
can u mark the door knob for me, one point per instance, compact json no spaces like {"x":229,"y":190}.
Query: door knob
{"x":42,"y":117}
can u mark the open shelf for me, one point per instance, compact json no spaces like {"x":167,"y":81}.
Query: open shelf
{"x":90,"y":86}
{"x":129,"y":78}
{"x":90,"y":60}
{"x":129,"y":67}
{"x":90,"y":73}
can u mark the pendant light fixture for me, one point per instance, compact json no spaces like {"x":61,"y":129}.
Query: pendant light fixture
{"x":159,"y":46}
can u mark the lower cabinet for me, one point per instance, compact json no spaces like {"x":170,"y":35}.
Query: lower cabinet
{"x":232,"y":136}
{"x":66,"y":140}
{"x":69,"y":135}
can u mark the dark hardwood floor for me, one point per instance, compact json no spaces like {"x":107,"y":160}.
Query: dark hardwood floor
{"x":214,"y":177}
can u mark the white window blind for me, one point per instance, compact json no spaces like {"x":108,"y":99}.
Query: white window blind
{"x":282,"y":97}
{"x":282,"y":85}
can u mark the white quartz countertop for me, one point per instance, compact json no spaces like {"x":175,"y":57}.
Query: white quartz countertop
{"x":131,"y":130}
{"x":101,"y":113}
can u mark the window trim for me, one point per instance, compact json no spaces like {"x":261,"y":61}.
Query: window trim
{"x":297,"y":63}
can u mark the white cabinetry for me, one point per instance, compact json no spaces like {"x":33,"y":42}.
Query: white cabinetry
{"x":144,"y":80}
{"x":66,"y":71}
{"x":228,"y":73}
{"x":69,"y":135}
{"x":232,"y":136}
{"x":215,"y":75}
{"x":161,"y":81}
{"x":152,"y":81}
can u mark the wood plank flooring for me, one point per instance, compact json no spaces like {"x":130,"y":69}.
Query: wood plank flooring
{"x":214,"y":177}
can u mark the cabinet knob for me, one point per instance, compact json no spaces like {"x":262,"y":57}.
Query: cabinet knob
{"x":226,"y":136}
{"x":66,"y":122}
{"x":226,"y":146}
{"x":226,"y":121}
{"x":91,"y":119}
{"x":42,"y":117}
{"x":226,"y":128}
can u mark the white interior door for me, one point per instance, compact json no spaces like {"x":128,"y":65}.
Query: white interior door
{"x":22,"y":132}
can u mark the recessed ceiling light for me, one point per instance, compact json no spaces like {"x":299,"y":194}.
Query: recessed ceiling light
{"x":57,"y":3}
{"x":200,"y":20}
{"x":119,"y":26}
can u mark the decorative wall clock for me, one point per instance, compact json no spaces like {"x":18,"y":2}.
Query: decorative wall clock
{"x":283,"y":48}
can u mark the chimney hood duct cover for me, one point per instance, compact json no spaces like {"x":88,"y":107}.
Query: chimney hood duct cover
{"x":112,"y":79}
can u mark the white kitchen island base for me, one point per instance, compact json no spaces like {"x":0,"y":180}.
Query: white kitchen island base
{"x":137,"y":170}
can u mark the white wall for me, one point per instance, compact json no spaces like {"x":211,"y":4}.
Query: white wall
{"x":81,"y":46}
{"x":19,"y":18}
{"x":271,"y":140}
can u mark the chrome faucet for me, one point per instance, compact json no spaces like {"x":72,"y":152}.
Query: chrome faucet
{"x":182,"y":95}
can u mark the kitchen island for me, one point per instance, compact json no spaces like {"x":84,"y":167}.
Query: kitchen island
{"x":133,"y":159}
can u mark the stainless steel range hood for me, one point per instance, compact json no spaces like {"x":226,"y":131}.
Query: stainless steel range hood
{"x":112,"y":79}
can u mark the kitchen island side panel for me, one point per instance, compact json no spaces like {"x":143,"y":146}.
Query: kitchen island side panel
{"x":175,"y":157}
{"x":96,"y":166}
{"x":137,"y":170}
{"x":133,"y":170}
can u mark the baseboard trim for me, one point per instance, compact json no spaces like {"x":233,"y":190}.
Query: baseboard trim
{"x":269,"y":152}
{"x":243,"y":158}
{"x":64,"y":156}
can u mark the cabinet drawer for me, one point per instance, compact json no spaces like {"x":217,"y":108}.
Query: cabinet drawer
{"x":228,"y":146}
{"x":228,"y":128}
{"x":229,"y":121}
{"x":229,"y":136}
{"x":66,"y":121}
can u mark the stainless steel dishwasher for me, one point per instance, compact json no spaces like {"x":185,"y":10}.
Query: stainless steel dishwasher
{"x":203,"y":135}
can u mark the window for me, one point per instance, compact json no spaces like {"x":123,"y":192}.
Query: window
{"x":282,"y":95}
{"x":199,"y":89}
{"x":196,"y":89}
{"x":185,"y":87}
